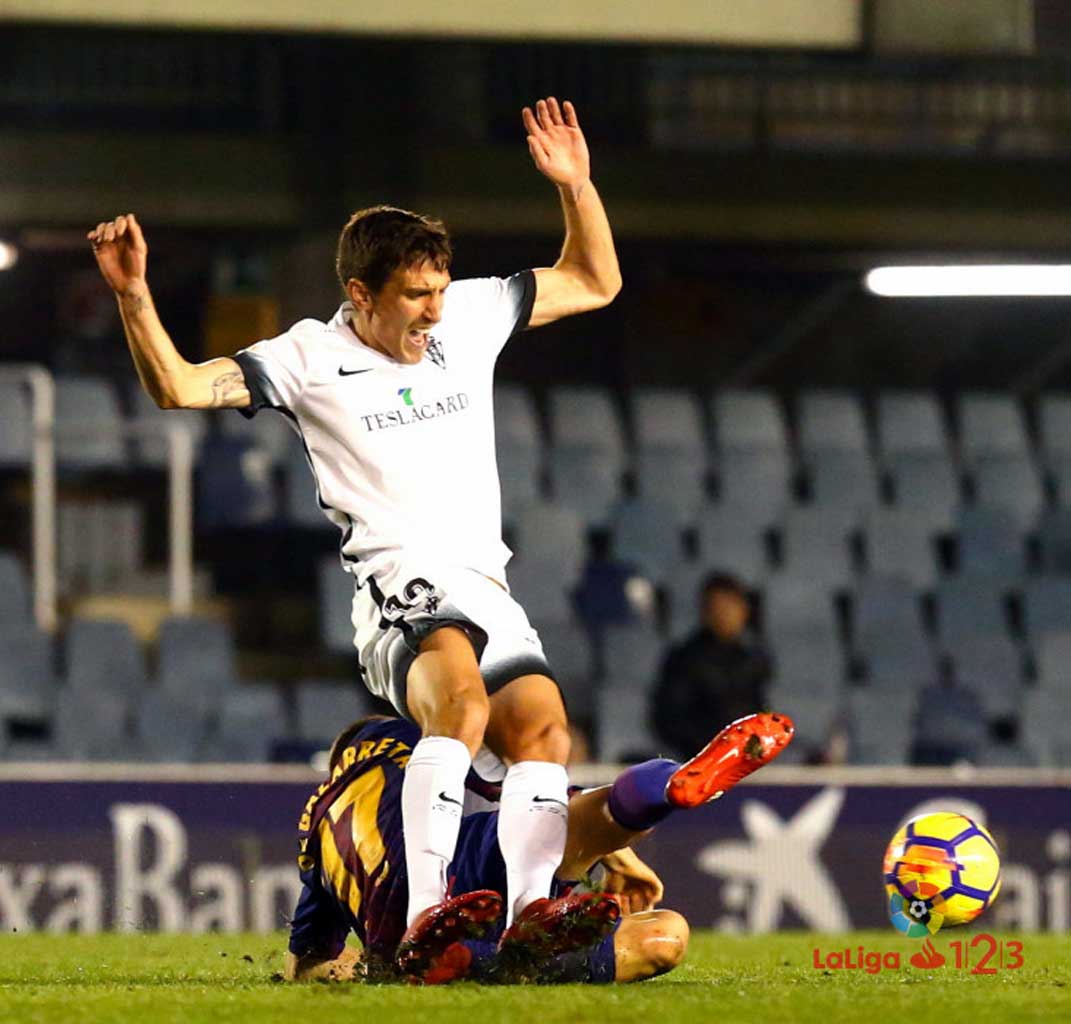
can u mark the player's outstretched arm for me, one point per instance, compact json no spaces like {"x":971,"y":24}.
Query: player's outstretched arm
{"x":172,"y":382}
{"x":587,"y":275}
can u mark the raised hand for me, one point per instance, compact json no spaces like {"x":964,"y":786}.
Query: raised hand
{"x":120,"y":250}
{"x":557,"y":144}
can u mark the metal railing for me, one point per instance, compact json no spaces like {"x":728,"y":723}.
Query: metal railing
{"x":180,"y":456}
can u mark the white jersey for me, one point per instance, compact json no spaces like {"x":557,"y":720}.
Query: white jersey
{"x":403,"y":455}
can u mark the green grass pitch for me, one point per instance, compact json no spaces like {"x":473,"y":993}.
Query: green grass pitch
{"x":224,"y":978}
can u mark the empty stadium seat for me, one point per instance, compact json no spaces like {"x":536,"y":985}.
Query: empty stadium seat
{"x":234,"y":485}
{"x":14,"y":592}
{"x":900,"y":544}
{"x":646,"y":534}
{"x":845,"y":483}
{"x":269,"y":432}
{"x":519,"y":444}
{"x":730,"y":540}
{"x":990,"y":542}
{"x":552,"y":533}
{"x":991,"y":424}
{"x":586,"y":417}
{"x":796,"y":602}
{"x":335,"y":592}
{"x":250,"y":721}
{"x":1046,"y":606}
{"x":925,"y":485}
{"x":808,"y":659}
{"x":27,"y":677}
{"x":950,"y":725}
{"x":569,"y":652}
{"x":665,"y":418}
{"x":1011,"y":483}
{"x":1054,"y":541}
{"x":748,"y":420}
{"x":909,"y":421}
{"x":815,"y":545}
{"x":89,"y":427}
{"x":882,"y":726}
{"x":991,"y":668}
{"x":1043,"y":723}
{"x":970,"y":606}
{"x":758,"y":480}
{"x":815,"y":716}
{"x":1054,"y":664}
{"x":303,"y":506}
{"x":16,"y":425}
{"x":92,"y":725}
{"x":103,"y":656}
{"x":325,"y":707}
{"x":675,"y":477}
{"x":622,"y":733}
{"x":585,"y":479}
{"x":170,"y":727}
{"x":632,"y":656}
{"x":888,"y":634}
{"x":831,"y":421}
{"x":196,"y":659}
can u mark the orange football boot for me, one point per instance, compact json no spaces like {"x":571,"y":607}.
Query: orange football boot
{"x":740,"y":748}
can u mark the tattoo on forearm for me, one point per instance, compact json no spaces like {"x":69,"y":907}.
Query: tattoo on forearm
{"x":225,"y":387}
{"x":134,"y":302}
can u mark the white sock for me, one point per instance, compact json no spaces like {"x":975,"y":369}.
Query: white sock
{"x":532,"y":818}
{"x":433,"y":793}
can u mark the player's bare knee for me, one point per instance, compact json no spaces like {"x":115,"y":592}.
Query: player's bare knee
{"x":545,"y":739}
{"x":665,"y":940}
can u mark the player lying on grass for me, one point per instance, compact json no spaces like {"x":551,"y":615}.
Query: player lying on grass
{"x":352,"y":863}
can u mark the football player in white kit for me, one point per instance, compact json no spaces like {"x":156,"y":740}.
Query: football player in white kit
{"x":392,"y":399}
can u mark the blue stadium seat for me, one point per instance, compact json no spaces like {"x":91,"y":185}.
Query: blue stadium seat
{"x":552,"y":533}
{"x":335,"y":592}
{"x":730,"y":539}
{"x":234,"y":485}
{"x":992,"y":669}
{"x":646,"y":534}
{"x":89,"y":427}
{"x":808,"y":660}
{"x":585,"y":479}
{"x":674,"y":476}
{"x":950,"y":725}
{"x":909,"y":421}
{"x":670,"y":461}
{"x":1054,"y":541}
{"x":757,"y":480}
{"x":888,"y":635}
{"x":302,"y":501}
{"x":748,"y":420}
{"x":519,"y":443}
{"x":27,"y":677}
{"x":14,"y":592}
{"x":569,"y":651}
{"x":900,"y":544}
{"x":170,"y":727}
{"x":1054,"y":664}
{"x":92,"y":726}
{"x":815,"y":545}
{"x":990,"y":543}
{"x":1011,"y":483}
{"x":1046,"y":606}
{"x":147,"y":420}
{"x":269,"y":432}
{"x":196,"y":660}
{"x":970,"y":606}
{"x":815,"y":716}
{"x":831,"y":421}
{"x":16,"y":426}
{"x":925,"y":485}
{"x":796,"y":602}
{"x":1054,"y":427}
{"x":843,"y":482}
{"x":103,"y":656}
{"x":250,"y":721}
{"x":622,"y":732}
{"x":633,"y":654}
{"x":882,"y":725}
{"x":1043,"y":726}
{"x":325,"y":707}
{"x":990,"y":424}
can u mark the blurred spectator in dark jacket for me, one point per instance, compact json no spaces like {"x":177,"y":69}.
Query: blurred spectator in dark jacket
{"x":716,"y":675}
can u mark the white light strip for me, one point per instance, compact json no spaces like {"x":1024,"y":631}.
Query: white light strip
{"x":988,"y":279}
{"x":9,"y":255}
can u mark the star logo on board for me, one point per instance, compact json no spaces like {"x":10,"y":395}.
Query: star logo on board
{"x":779,"y":861}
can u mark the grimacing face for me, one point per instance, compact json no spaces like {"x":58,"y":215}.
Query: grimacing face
{"x":396,"y":320}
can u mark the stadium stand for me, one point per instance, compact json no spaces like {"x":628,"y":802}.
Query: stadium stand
{"x":519,"y":444}
{"x":669,"y":462}
{"x":89,"y":425}
{"x":16,"y":425}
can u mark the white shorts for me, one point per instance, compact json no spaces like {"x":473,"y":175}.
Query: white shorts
{"x":393,"y":613}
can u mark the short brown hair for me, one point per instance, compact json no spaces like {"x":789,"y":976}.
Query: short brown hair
{"x":346,"y":737}
{"x":376,"y":241}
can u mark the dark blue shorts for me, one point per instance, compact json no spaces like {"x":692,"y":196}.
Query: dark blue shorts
{"x":478,"y":864}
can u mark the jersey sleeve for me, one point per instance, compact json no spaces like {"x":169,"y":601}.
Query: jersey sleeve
{"x":491,"y":310}
{"x":274,"y":372}
{"x":317,"y":929}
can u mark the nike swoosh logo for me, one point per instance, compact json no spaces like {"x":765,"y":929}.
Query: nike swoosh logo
{"x":547,"y":800}
{"x":449,"y":799}
{"x":350,"y":373}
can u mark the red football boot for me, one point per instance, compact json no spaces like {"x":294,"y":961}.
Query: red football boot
{"x":431,"y":951}
{"x":547,"y":928}
{"x":740,"y":748}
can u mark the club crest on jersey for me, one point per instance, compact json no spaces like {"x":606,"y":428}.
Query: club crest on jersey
{"x":434,"y":352}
